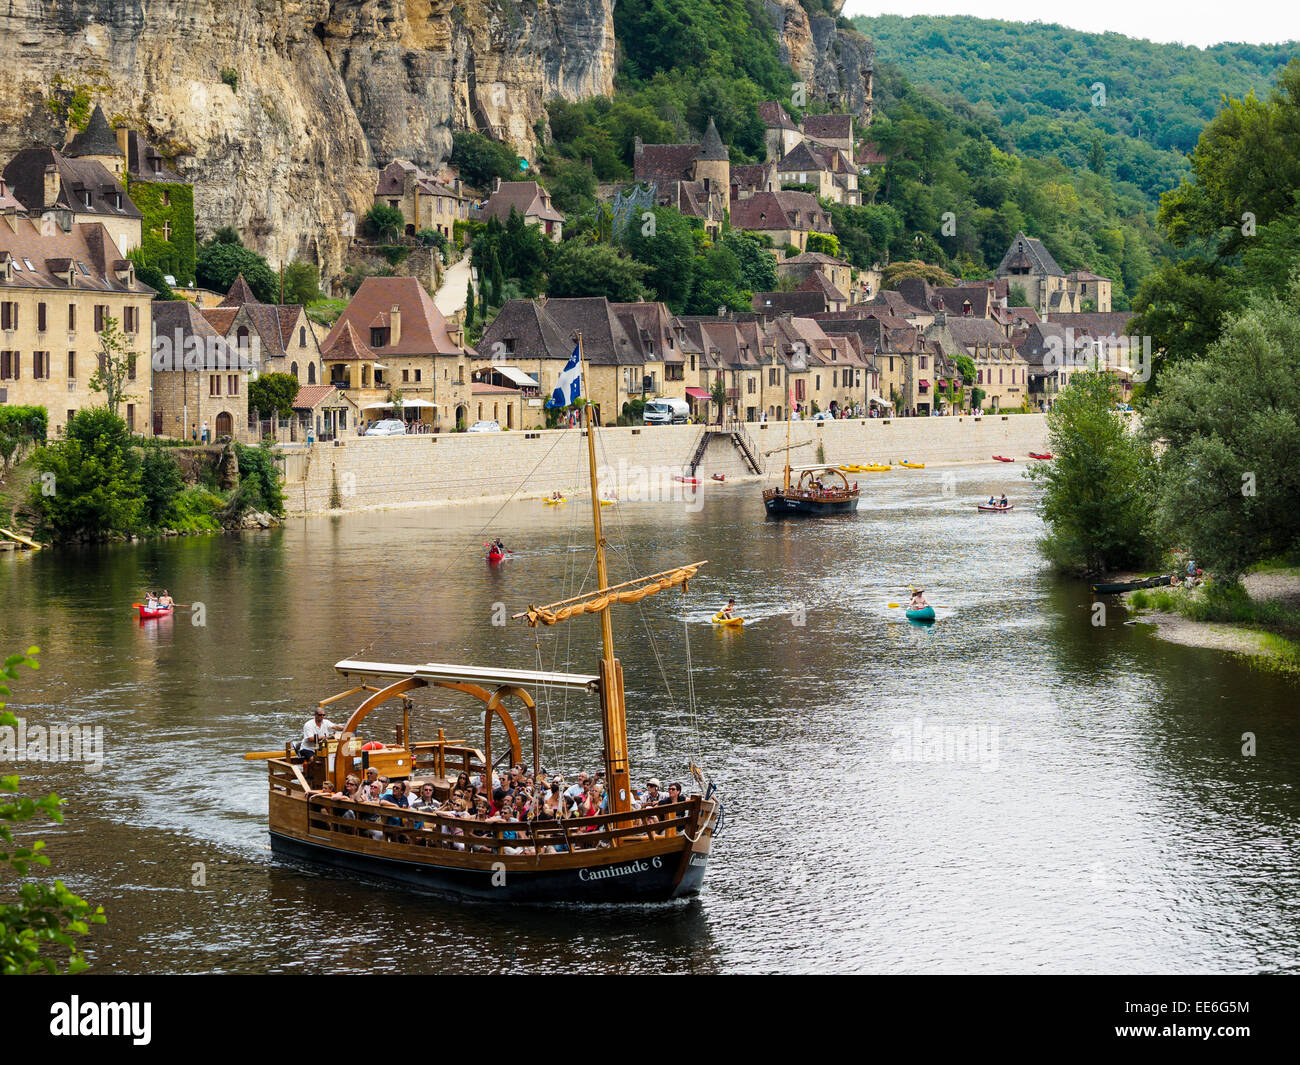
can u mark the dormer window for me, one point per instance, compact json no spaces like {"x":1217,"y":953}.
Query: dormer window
{"x":85,"y":196}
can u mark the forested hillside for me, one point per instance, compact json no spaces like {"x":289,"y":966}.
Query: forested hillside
{"x":1038,"y":80}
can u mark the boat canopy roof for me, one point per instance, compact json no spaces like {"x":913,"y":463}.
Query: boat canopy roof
{"x":488,"y":677}
{"x":815,"y":466}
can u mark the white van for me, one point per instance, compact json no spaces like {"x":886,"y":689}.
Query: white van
{"x":667,"y":412}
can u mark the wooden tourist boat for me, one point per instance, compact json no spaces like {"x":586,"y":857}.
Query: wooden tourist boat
{"x":625,"y":855}
{"x":804,"y":497}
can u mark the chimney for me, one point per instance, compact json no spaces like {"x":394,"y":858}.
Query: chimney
{"x":395,"y":325}
{"x":51,"y":186}
{"x":637,"y":147}
{"x":496,"y":187}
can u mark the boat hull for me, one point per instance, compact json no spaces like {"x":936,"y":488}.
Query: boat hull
{"x":926,"y":613}
{"x":148,"y":615}
{"x":656,"y":878}
{"x":1132,"y":586}
{"x":996,"y":510}
{"x":783,"y":506}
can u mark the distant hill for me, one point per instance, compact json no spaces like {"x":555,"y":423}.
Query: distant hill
{"x":1038,"y":79}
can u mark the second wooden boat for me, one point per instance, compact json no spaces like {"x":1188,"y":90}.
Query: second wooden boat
{"x":1132,"y":586}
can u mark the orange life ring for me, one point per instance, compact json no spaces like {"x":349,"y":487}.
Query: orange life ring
{"x":373,"y":745}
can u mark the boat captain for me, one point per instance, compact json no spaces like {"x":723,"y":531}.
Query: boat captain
{"x":315,"y":731}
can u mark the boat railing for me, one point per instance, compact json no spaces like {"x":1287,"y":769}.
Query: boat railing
{"x":327,"y":817}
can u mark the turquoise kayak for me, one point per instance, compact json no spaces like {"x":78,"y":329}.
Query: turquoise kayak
{"x":926,"y":613}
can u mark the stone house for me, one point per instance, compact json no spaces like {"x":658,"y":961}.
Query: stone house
{"x":391,"y":350}
{"x":694,"y":178}
{"x":530,"y":201}
{"x":786,"y":217}
{"x":274,"y":338}
{"x":425,"y":202}
{"x":59,"y":286}
{"x":199,"y":380}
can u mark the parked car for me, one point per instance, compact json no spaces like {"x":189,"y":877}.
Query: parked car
{"x":387,"y":427}
{"x":485,"y":427}
{"x":823,"y":416}
{"x":666,"y":412}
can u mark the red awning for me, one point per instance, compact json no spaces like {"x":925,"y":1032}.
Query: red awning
{"x":698,"y":393}
{"x":925,"y":385}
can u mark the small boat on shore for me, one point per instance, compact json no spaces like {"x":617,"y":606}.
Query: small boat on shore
{"x":1131,"y":586}
{"x":1044,"y":456}
{"x":925,"y":613}
{"x":687,"y":480}
{"x":912,"y":465}
{"x":876,"y":467}
{"x":995,"y":508}
{"x":1002,"y":458}
{"x":719,"y":477}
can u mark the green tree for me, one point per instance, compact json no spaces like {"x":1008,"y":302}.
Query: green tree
{"x":116,"y":363}
{"x":757,"y":263}
{"x":302,"y":283}
{"x":1229,"y":423}
{"x":43,"y":919}
{"x":595,"y":270}
{"x":1097,"y":492}
{"x":160,"y":482}
{"x":481,"y":160}
{"x":469,"y":303}
{"x":272,"y":394}
{"x":664,"y":241}
{"x":219,"y":264}
{"x":384,"y":223}
{"x":259,"y":487}
{"x":89,"y":484}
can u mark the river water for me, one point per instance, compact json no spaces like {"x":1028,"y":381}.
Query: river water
{"x":1014,"y":788}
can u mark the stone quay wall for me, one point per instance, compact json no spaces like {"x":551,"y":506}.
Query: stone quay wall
{"x":633,"y":463}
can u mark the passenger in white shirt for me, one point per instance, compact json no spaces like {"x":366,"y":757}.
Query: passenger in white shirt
{"x":316,"y":731}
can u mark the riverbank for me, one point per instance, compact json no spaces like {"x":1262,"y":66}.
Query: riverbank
{"x":635,"y":462}
{"x":1260,"y":619}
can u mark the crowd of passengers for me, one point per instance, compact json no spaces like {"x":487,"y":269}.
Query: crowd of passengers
{"x":516,"y":798}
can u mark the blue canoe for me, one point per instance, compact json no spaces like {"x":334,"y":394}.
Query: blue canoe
{"x":926,"y":613}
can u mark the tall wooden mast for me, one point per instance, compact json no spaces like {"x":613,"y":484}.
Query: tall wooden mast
{"x":613,"y":712}
{"x":788,"y":415}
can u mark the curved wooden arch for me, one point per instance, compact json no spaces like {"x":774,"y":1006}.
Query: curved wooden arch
{"x":495,"y":705}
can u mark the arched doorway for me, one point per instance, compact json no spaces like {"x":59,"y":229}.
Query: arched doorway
{"x":311,"y":373}
{"x":225,"y":424}
{"x":462,"y":414}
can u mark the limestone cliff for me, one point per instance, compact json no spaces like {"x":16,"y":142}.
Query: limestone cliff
{"x":835,"y":63}
{"x":279,"y":110}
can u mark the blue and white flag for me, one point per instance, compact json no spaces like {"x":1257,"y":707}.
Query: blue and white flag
{"x":569,"y":386}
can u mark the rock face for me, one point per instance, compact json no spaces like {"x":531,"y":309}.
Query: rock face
{"x":836,"y":64}
{"x":279,"y":110}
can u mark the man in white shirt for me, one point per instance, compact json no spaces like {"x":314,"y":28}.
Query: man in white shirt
{"x":316,"y":731}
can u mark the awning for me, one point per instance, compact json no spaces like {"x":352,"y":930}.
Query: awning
{"x":698,"y":393}
{"x":405,"y":403}
{"x":924,"y":385}
{"x":513,"y":373}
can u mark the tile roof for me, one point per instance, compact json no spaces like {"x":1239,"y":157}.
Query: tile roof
{"x":665,"y":163}
{"x":1028,"y":253}
{"x":181,"y":318}
{"x":239,"y":294}
{"x":800,"y":302}
{"x":817,"y":282}
{"x":604,"y":340}
{"x":424,"y":330}
{"x":310,"y":397}
{"x":524,"y":330}
{"x":774,"y":116}
{"x":781,"y":210}
{"x":343,"y":343}
{"x":711,"y":147}
{"x":526,"y":197}
{"x":97,"y":138}
{"x":145,"y":163}
{"x":828,"y":127}
{"x":25,"y":174}
{"x":85,"y":244}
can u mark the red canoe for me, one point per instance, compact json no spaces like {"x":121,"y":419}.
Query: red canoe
{"x":160,"y":612}
{"x":1003,"y":458}
{"x":687,"y":480}
{"x":719,"y":477}
{"x":985,"y":506}
{"x":1045,"y":455}
{"x":495,"y":556}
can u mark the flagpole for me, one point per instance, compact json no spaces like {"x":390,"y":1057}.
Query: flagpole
{"x":613,"y":712}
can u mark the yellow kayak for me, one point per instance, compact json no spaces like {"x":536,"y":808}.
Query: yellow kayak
{"x":851,"y":468}
{"x":733,"y":623}
{"x":608,"y":502}
{"x":876,"y":468}
{"x":554,"y":502}
{"x":913,"y":465}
